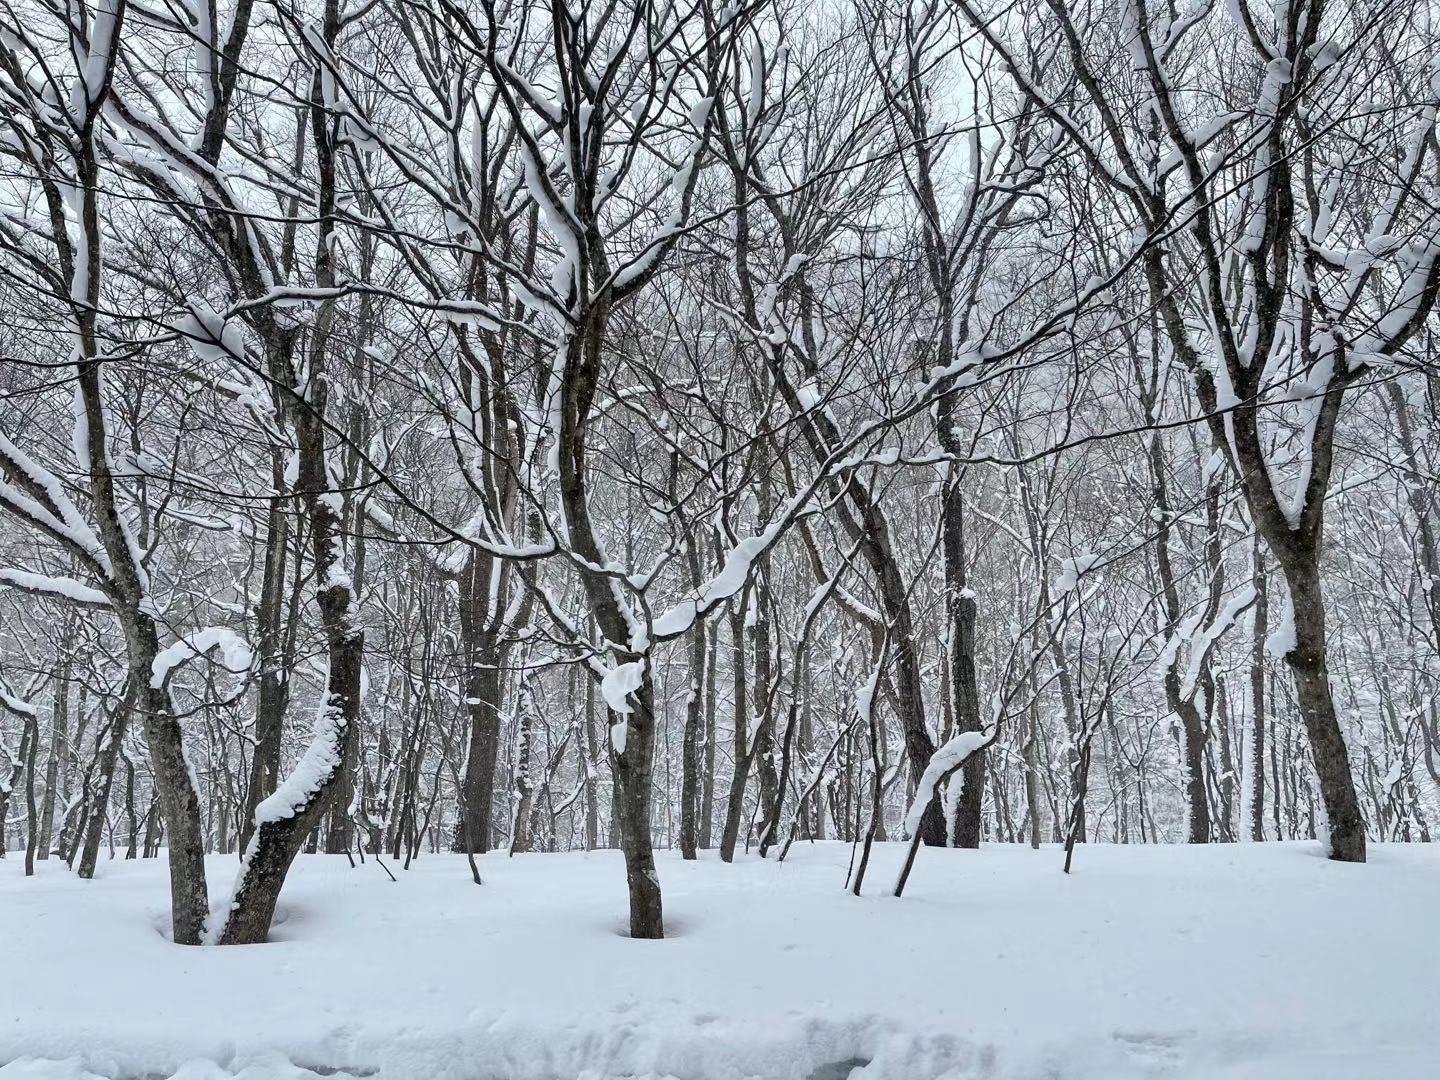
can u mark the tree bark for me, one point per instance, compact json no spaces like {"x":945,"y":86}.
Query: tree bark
{"x":1310,"y":670}
{"x":960,"y":611}
{"x":273,"y":677}
{"x":690,"y":753}
{"x":740,"y":748}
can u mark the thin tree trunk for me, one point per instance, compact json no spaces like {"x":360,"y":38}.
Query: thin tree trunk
{"x":690,"y":753}
{"x":735,"y":805}
{"x":93,"y":826}
{"x":273,"y":677}
{"x":960,"y":611}
{"x":520,"y":834}
{"x":59,"y":725}
{"x":707,"y":767}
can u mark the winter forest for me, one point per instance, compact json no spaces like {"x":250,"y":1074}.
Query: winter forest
{"x":486,"y":481}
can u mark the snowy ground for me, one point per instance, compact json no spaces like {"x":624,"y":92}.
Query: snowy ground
{"x":1254,"y":961}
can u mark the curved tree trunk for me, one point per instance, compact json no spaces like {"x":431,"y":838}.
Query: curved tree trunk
{"x":286,"y":819}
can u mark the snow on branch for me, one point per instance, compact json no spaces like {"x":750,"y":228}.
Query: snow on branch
{"x":48,"y":585}
{"x":235,"y":653}
{"x":311,"y":772}
{"x":942,"y":763}
{"x":17,"y":705}
{"x":35,"y":494}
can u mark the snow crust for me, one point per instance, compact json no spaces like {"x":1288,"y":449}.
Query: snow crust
{"x":1257,"y":961}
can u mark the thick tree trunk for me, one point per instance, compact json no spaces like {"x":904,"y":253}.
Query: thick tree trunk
{"x":1192,"y":730}
{"x":482,"y":695}
{"x":483,"y":689}
{"x":340,"y":830}
{"x":1308,"y":665}
{"x":180,"y":809}
{"x":278,"y":839}
{"x":632,"y":770}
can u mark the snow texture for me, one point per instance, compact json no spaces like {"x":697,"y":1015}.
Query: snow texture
{"x":1172,"y":962}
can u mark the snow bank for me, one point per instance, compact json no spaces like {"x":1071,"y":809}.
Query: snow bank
{"x":1261,"y":961}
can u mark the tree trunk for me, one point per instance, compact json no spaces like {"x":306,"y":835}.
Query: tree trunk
{"x":59,"y":725}
{"x":632,"y":769}
{"x":301,"y":800}
{"x":93,"y":825}
{"x":588,"y":757}
{"x":707,"y":768}
{"x":690,"y":759}
{"x":735,"y":805}
{"x":273,"y":677}
{"x":520,"y":833}
{"x":482,"y":700}
{"x":1317,"y":707}
{"x":180,"y":808}
{"x":960,"y":611}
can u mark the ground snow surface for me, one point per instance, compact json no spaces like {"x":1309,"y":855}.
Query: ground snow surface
{"x":1263,"y":962}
